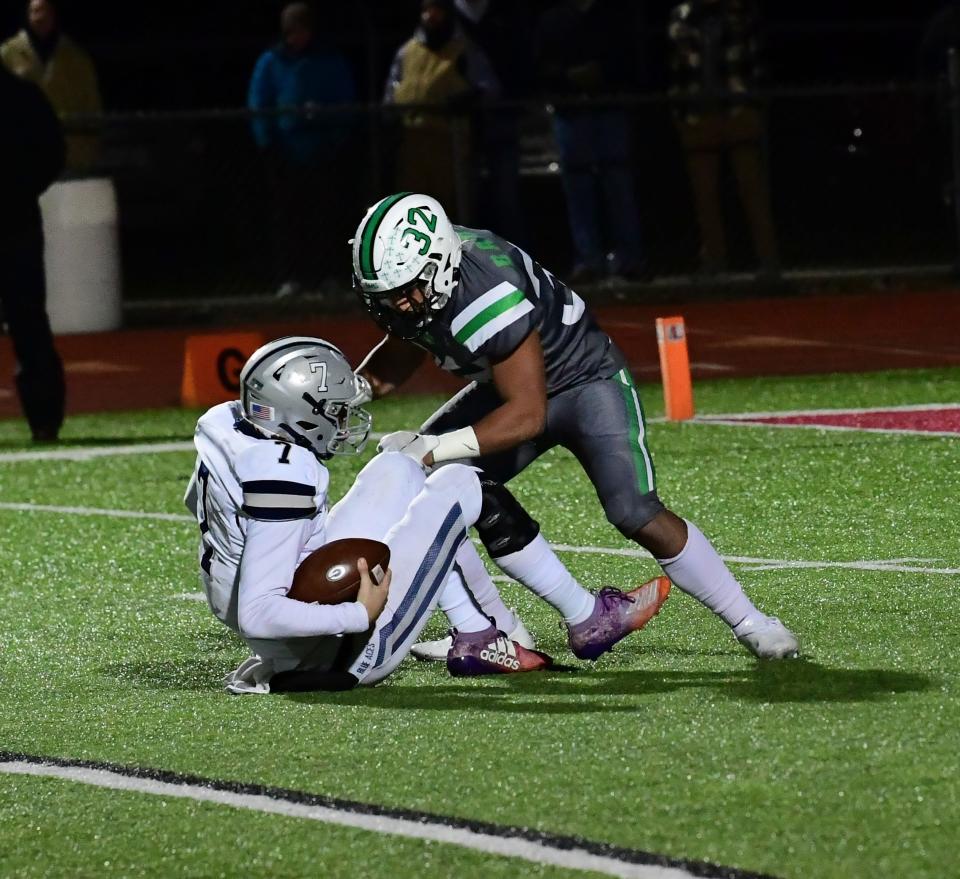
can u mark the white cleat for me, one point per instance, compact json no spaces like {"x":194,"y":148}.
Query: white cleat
{"x":436,"y":651}
{"x":767,"y":638}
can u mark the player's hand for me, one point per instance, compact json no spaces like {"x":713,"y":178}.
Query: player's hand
{"x":372,"y":595}
{"x":396,"y":441}
{"x":364,"y":391}
{"x":378,"y":387}
{"x":418,"y":446}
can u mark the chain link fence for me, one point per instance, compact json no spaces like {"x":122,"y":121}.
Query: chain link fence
{"x":859,"y":180}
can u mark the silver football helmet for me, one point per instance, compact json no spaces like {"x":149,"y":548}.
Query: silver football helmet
{"x":302,"y":389}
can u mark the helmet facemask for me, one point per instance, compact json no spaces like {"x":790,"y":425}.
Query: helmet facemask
{"x":350,"y":428}
{"x":407,"y":310}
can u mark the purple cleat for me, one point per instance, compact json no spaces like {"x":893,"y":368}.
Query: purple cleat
{"x":615,"y":615}
{"x":491,"y":653}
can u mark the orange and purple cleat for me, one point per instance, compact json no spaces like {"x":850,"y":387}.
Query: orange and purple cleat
{"x":615,"y":615}
{"x":490,"y":652}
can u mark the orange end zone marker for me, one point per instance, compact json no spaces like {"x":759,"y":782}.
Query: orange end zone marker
{"x":211,"y":367}
{"x":675,"y":368}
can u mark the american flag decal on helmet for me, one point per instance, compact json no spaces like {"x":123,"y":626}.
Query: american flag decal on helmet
{"x":258,"y":410}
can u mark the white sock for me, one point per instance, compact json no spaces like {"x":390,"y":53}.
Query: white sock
{"x":539,"y":569}
{"x":700,"y":572}
{"x":483,"y":589}
{"x":459,"y":606}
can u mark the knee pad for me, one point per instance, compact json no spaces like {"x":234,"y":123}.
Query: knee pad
{"x":629,"y":511}
{"x":504,"y":526}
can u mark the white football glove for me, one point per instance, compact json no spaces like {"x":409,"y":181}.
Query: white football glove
{"x":413,"y":445}
{"x":252,"y":676}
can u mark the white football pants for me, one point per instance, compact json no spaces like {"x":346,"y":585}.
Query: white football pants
{"x":424,"y":521}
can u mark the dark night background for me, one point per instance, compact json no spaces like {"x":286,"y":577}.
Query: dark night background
{"x":857,"y":179}
{"x":177,"y":55}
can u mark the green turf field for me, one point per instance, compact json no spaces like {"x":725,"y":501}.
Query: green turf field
{"x":844,"y":764}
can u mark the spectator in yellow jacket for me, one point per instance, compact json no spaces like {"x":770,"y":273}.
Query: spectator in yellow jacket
{"x":43,"y":54}
{"x":439,"y":65}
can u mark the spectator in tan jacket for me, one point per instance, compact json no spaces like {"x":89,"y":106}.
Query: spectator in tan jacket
{"x":714,"y":58}
{"x":439,"y":65}
{"x":43,"y":54}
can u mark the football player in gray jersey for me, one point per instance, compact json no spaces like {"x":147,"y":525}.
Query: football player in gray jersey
{"x":541,"y":373}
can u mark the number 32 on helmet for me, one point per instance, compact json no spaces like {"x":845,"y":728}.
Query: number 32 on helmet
{"x":405,"y":240}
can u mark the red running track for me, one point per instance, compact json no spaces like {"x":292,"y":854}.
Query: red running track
{"x":136,"y":369}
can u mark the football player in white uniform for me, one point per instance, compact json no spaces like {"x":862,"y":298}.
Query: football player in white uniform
{"x":259,"y":492}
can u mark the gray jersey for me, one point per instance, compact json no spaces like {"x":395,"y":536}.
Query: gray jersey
{"x":502,"y":297}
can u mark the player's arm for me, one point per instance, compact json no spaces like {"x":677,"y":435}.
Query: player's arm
{"x":390,"y":364}
{"x":520,"y":380}
{"x":270,"y":555}
{"x":283,"y":488}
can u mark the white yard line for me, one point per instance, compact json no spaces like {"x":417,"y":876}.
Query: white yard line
{"x":711,"y":421}
{"x":732,"y":419}
{"x":913,"y":407}
{"x":759,"y":564}
{"x":90,"y":452}
{"x":749,"y":419}
{"x":97,"y":511}
{"x":436,"y":830}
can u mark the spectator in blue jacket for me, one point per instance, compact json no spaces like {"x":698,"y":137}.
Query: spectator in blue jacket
{"x":585,"y":54}
{"x":294,"y":85}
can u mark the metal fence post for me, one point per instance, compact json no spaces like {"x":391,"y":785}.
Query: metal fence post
{"x":953,"y":102}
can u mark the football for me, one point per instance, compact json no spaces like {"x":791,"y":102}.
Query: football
{"x":329,"y":575}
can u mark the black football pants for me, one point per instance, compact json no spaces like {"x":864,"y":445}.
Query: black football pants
{"x":39,"y":372}
{"x":600,"y":422}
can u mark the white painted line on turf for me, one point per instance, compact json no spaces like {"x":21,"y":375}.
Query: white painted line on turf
{"x":881,"y":565}
{"x":91,"y":452}
{"x":727,"y":419}
{"x":736,"y":422}
{"x":96,"y":511}
{"x":511,"y":847}
{"x":893,"y":565}
{"x":867,"y":410}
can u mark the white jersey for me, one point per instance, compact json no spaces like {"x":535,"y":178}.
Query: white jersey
{"x":262,"y":509}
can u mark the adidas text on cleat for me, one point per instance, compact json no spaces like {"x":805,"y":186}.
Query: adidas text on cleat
{"x":490,"y":653}
{"x":767,"y":638}
{"x":615,"y":615}
{"x":436,"y":651}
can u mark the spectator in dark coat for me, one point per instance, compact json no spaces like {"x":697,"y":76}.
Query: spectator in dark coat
{"x":32,"y":156}
{"x":586,"y":52}
{"x":501,"y":29}
{"x":715,"y":57}
{"x":305,"y":152}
